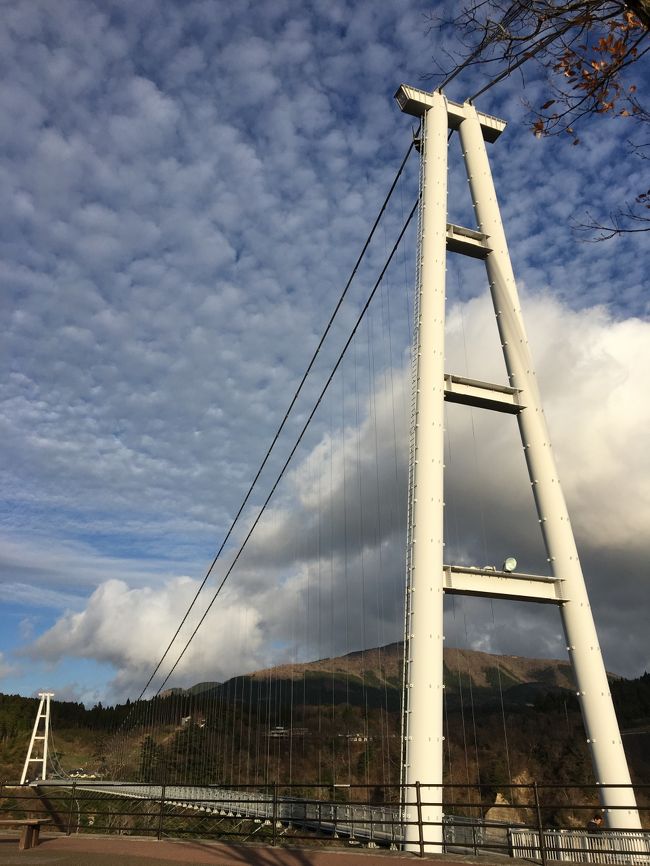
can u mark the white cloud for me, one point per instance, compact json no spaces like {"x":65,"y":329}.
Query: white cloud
{"x":6,"y":668}
{"x":129,"y":628}
{"x":333,"y":545}
{"x":592,"y":370}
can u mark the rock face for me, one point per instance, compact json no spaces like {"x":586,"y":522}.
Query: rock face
{"x":500,"y":813}
{"x":506,"y":812}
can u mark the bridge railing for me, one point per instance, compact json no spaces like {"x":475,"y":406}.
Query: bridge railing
{"x":606,"y":847}
{"x":524,"y":821}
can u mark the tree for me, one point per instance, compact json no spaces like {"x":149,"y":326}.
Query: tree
{"x":586,"y":50}
{"x":100,"y":751}
{"x":151,"y":760}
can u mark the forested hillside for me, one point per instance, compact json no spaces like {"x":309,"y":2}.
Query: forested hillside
{"x":338,"y":720}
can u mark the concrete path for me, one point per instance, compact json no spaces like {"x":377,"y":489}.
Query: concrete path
{"x":122,"y":851}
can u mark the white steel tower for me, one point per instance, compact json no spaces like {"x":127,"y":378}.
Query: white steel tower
{"x":42,"y":717}
{"x":428,"y":577}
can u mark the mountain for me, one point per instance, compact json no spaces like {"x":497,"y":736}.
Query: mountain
{"x":373,"y":677}
{"x":196,"y":689}
{"x":507,"y":718}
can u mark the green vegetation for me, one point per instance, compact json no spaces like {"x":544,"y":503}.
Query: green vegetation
{"x":507,"y":720}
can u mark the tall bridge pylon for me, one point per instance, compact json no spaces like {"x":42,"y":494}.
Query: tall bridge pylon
{"x":428,"y":578}
{"x":37,"y":751}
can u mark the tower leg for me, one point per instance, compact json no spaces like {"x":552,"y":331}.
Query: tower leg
{"x":424,"y":620}
{"x":601,"y":725}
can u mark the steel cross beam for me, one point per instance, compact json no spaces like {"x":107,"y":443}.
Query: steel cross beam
{"x":467,"y":242}
{"x":490,"y":583}
{"x":418,"y":102}
{"x":482,"y":395}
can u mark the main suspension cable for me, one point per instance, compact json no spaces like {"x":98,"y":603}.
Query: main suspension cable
{"x":295,"y":446}
{"x":284,"y":419}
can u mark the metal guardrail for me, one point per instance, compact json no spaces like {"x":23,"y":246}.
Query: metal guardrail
{"x":578,"y":846}
{"x":247,"y":811}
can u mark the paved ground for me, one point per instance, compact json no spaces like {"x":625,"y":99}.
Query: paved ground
{"x":120,"y":851}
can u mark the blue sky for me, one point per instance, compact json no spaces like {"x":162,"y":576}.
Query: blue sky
{"x":185,"y":188}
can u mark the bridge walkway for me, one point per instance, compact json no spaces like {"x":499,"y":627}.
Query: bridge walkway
{"x":86,"y":850}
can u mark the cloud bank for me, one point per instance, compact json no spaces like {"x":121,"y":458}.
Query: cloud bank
{"x":308,"y":573}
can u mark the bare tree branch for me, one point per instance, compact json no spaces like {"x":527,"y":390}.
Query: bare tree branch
{"x":586,"y":49}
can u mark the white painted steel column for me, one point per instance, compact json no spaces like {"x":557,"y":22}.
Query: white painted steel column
{"x":603,"y":736}
{"x":424,"y":623}
{"x":46,"y":734}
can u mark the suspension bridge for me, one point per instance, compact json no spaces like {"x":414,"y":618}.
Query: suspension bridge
{"x":360,"y":463}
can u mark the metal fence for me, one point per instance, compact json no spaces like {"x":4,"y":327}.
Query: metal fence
{"x":577,"y":846}
{"x":515,"y":826}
